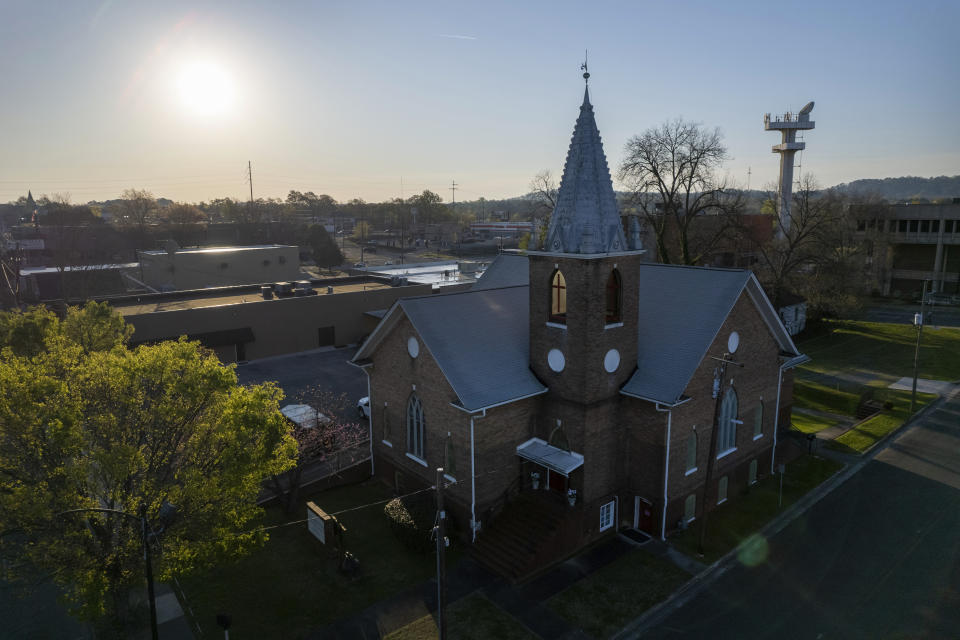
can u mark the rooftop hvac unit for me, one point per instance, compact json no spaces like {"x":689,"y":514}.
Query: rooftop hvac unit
{"x":329,"y":289}
{"x":283,"y":288}
{"x":267,"y":292}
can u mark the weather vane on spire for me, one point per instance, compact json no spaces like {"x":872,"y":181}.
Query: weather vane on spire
{"x":586,"y":74}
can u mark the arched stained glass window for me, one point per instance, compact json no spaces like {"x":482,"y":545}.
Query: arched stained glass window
{"x":558,"y":298}
{"x":614,"y":297}
{"x":727,"y":428}
{"x":415,"y":427}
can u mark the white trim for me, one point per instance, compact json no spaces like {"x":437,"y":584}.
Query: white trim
{"x":388,"y":443}
{"x":449,"y":477}
{"x":613,"y":509}
{"x":691,"y":471}
{"x":557,"y":325}
{"x":666,"y":472}
{"x":724,"y":454}
{"x":776,"y":421}
{"x":757,"y":437}
{"x":719,"y":502}
{"x":655,"y":401}
{"x":498,"y":404}
{"x":416,"y":459}
{"x":585,"y":256}
{"x":612,"y":325}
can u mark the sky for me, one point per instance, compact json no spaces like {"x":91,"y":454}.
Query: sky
{"x":377,"y":100}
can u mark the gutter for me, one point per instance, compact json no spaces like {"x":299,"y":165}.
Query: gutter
{"x":473,"y":481}
{"x":787,"y":364}
{"x":666,"y":469}
{"x":670,"y":405}
{"x":498,"y":404}
{"x":363,"y":367}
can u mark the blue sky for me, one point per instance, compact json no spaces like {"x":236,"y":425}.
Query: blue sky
{"x":351,"y":98}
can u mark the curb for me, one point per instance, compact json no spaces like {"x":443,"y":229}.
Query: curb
{"x":692,"y":587}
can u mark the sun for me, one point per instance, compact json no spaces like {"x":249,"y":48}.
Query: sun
{"x":206,"y":89}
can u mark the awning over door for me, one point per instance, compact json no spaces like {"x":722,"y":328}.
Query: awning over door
{"x":537,"y":451}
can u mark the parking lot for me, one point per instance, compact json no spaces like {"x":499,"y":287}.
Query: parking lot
{"x":327,"y":369}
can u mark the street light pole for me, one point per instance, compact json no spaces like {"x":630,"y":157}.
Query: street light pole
{"x":144,"y":528}
{"x":918,"y":322}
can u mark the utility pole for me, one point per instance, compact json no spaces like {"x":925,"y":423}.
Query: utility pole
{"x":250,"y":180}
{"x":441,"y":561}
{"x":146,"y":557}
{"x":918,"y":321}
{"x":453,"y":192}
{"x":712,"y":453}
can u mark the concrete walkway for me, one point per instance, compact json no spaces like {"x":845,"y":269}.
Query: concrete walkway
{"x":939,"y":387}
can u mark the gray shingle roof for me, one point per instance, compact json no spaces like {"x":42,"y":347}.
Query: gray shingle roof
{"x":507,"y":270}
{"x":681,"y":311}
{"x":480,"y":339}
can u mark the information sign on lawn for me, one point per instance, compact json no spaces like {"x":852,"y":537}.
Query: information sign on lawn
{"x":317,"y":522}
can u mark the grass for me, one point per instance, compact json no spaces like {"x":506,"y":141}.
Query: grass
{"x":869,"y":432}
{"x":744,"y":515}
{"x":605,"y":601}
{"x":813,"y":395}
{"x":291,"y":586}
{"x":807,"y":423}
{"x":472,"y":618}
{"x":884,"y":350}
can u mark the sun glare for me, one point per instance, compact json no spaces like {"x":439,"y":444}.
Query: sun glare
{"x":206,"y":89}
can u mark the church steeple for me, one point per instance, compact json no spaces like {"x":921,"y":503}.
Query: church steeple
{"x":586,"y":219}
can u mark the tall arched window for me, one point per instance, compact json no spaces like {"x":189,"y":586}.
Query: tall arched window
{"x":727,"y":429}
{"x":613,"y":297}
{"x":692,"y":452}
{"x":415,"y":427}
{"x":558,"y":298}
{"x":758,"y":421}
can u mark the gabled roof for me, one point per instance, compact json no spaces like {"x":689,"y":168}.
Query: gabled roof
{"x":507,"y":270}
{"x":681,"y":311}
{"x":479,"y":339}
{"x":586,"y":219}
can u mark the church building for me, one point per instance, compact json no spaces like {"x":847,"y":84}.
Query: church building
{"x":580,"y":389}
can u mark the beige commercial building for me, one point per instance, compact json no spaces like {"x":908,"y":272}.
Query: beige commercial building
{"x":199,"y":268}
{"x":239,"y":324}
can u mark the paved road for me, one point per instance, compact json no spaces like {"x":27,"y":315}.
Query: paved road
{"x":879,"y":557}
{"x":943,"y":316}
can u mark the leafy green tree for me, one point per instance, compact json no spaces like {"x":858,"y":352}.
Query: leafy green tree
{"x":87,"y":423}
{"x":323,"y":247}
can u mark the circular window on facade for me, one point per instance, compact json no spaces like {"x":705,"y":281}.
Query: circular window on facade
{"x":733,"y":342}
{"x":556,"y":360}
{"x":611,"y":361}
{"x":413,"y":347}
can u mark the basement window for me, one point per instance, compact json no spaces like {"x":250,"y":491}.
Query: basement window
{"x":606,"y":516}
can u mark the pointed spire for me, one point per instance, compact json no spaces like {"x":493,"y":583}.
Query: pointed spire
{"x":586,"y":218}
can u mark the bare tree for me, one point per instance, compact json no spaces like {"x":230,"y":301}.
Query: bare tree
{"x":137,"y":208}
{"x":544,"y":190}
{"x":671,"y":172}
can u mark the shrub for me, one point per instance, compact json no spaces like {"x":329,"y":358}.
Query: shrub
{"x":411,"y":520}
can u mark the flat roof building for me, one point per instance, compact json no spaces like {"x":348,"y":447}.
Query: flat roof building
{"x":199,"y":268}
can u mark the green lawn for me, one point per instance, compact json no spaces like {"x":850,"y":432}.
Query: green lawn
{"x":744,"y":515}
{"x":472,"y":618}
{"x":884,"y":350}
{"x":806,"y":423}
{"x":291,"y":585}
{"x":603,"y":602}
{"x":869,"y":432}
{"x":813,"y":395}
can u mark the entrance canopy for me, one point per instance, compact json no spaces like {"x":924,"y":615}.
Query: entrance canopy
{"x":538,"y":451}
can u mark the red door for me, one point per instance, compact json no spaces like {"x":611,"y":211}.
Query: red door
{"x":558,"y":482}
{"x":643,"y":516}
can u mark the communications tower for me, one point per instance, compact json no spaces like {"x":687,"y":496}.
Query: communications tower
{"x":788,"y":124}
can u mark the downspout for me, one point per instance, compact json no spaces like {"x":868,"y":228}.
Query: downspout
{"x":473,"y":481}
{"x":666,"y":471}
{"x":776,"y":419}
{"x":370,"y":400}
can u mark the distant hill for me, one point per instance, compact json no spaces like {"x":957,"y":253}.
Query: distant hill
{"x":906,"y":188}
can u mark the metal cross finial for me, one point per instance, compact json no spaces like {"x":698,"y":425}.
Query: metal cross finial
{"x":586,"y":74}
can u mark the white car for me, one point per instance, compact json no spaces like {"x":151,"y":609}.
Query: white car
{"x":363,"y":407}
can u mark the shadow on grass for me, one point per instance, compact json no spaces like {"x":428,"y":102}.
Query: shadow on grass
{"x":738,"y":519}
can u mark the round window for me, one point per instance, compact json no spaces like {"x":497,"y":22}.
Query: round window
{"x":556,"y":360}
{"x":413,"y":347}
{"x":733,"y":342}
{"x":611,"y":361}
